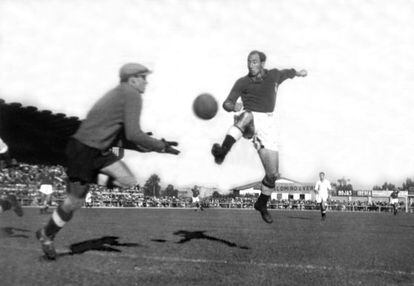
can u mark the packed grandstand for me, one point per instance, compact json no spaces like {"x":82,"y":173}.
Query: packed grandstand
{"x":24,"y":180}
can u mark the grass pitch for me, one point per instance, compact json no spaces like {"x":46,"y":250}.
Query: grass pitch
{"x":213,"y":247}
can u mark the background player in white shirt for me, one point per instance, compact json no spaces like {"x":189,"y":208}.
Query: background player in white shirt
{"x":322,"y":188}
{"x":46,"y":191}
{"x":88,"y":200}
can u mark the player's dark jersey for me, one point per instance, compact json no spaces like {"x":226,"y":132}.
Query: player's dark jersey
{"x":258,"y":95}
{"x":46,"y":179}
{"x":196,"y":192}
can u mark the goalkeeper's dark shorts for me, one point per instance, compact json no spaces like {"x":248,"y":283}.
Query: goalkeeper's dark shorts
{"x":85,"y":163}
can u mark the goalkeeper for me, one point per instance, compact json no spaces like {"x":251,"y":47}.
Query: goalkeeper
{"x":114,"y":120}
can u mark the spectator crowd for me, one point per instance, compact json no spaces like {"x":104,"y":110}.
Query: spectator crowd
{"x":24,"y":180}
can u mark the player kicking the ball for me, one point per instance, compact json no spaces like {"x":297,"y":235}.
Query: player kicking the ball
{"x":322,"y":188}
{"x":255,"y":120}
{"x":115,"y":118}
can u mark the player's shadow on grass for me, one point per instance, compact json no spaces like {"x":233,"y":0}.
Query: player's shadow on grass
{"x":186,"y":236}
{"x":13,"y":232}
{"x":159,"y":240}
{"x":409,"y":226}
{"x":105,"y":243}
{"x":300,"y":217}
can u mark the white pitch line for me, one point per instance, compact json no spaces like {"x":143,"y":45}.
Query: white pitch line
{"x":308,"y":267}
{"x":277,"y":265}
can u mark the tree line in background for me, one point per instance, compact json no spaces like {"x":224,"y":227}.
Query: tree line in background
{"x":409,"y":183}
{"x":345,"y":185}
{"x":152,"y":187}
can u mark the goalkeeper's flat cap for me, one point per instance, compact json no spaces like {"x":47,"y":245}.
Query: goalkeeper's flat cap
{"x":133,"y":69}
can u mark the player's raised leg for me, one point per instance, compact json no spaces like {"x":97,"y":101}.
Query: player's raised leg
{"x":243,"y":126}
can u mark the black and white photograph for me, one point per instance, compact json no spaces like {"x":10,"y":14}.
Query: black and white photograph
{"x":206,"y":142}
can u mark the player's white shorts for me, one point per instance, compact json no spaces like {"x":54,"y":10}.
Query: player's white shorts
{"x":46,"y":189}
{"x":265,"y":130}
{"x":196,"y":199}
{"x":394,"y":201}
{"x":321,"y":196}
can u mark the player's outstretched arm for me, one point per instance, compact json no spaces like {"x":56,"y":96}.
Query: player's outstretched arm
{"x":169,"y":147}
{"x":132,"y":146}
{"x":289,"y":73}
{"x":125,"y":144}
{"x":132,"y":127}
{"x":301,"y":73}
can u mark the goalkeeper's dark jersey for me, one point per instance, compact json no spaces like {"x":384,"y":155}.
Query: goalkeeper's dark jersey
{"x":117,"y":111}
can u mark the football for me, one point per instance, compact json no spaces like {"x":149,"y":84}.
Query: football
{"x":205,"y":106}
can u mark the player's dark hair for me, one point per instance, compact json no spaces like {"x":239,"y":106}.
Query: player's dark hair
{"x":320,"y":173}
{"x":261,"y":55}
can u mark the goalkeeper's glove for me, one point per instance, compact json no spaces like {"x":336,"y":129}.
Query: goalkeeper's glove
{"x":168,"y":147}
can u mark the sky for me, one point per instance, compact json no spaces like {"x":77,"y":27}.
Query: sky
{"x":350,"y":117}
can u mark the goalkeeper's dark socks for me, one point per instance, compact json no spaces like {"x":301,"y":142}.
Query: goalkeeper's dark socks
{"x":57,"y":221}
{"x":5,"y":205}
{"x":228,"y":142}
